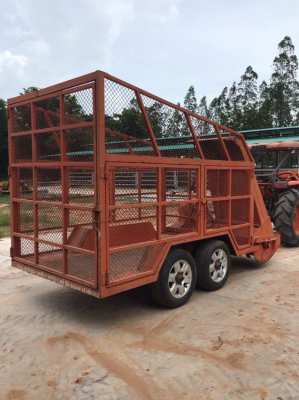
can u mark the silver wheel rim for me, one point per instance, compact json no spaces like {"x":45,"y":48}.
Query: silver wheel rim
{"x":218,"y":266}
{"x":180,"y":278}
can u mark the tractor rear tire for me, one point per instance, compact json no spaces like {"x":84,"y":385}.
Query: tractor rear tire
{"x":285,"y":217}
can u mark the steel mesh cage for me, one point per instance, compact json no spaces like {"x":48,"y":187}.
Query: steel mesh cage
{"x":106,"y":177}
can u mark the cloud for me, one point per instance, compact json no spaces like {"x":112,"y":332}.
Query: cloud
{"x":161,"y":45}
{"x":11,"y":60}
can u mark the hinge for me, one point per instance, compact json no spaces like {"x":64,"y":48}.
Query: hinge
{"x":11,"y":252}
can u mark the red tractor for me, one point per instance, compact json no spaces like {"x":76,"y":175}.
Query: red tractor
{"x":277,"y":173}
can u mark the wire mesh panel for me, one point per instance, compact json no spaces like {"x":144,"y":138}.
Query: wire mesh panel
{"x":26,"y":218}
{"x":47,"y":113}
{"x":130,"y":225}
{"x":202,"y":128}
{"x":21,"y":117}
{"x":233,"y":146}
{"x":123,"y":215}
{"x":81,"y":231}
{"x":131,"y":185}
{"x":126,"y":130}
{"x":140,"y":212}
{"x":180,"y":219}
{"x":170,"y":128}
{"x":49,"y":184}
{"x":79,"y":144}
{"x":26,"y":249}
{"x":209,"y":142}
{"x":24,"y":178}
{"x":229,"y":202}
{"x":217,"y":183}
{"x":79,"y":106}
{"x":133,"y":262}
{"x":80,"y":217}
{"x":217,"y":214}
{"x":240,"y":182}
{"x":48,"y":146}
{"x":50,"y":257}
{"x":82,"y":266}
{"x":60,"y":192}
{"x":22,"y":146}
{"x":81,"y":186}
{"x":50,"y":223}
{"x":180,"y":184}
{"x":240,"y":211}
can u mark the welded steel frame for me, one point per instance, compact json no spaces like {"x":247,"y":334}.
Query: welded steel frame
{"x":104,"y":164}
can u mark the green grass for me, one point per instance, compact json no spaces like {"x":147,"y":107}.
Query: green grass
{"x":4,"y":221}
{"x":4,"y":198}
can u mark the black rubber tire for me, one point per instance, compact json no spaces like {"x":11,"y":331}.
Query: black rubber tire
{"x":203,"y":260}
{"x":283,"y":217}
{"x":160,"y":290}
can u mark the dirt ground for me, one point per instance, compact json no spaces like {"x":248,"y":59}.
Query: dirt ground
{"x":238,"y":343}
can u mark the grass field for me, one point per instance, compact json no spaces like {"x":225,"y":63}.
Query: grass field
{"x":4,"y":198}
{"x":4,"y":215}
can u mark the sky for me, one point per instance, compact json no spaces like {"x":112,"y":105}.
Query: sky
{"x":163,"y":46}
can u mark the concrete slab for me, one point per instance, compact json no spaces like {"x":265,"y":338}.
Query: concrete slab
{"x":238,"y":343}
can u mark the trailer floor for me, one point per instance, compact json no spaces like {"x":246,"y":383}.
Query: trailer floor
{"x":238,"y":343}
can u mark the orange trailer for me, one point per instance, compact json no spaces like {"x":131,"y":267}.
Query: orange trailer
{"x":113,"y":188}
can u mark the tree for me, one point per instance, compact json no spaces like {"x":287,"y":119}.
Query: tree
{"x":190,"y":101}
{"x":247,"y":105}
{"x":247,"y":99}
{"x":218,"y":108}
{"x":203,"y":108}
{"x":30,"y":89}
{"x":234,"y":111}
{"x":176,"y":126}
{"x":284,"y":85}
{"x":3,"y":140}
{"x":264,"y":118}
{"x":130,"y":121}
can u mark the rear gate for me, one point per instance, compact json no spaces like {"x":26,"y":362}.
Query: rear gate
{"x":52,"y":160}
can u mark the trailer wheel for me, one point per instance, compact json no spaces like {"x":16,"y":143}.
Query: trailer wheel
{"x":176,"y":281}
{"x":286,"y":217}
{"x":213,"y":263}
